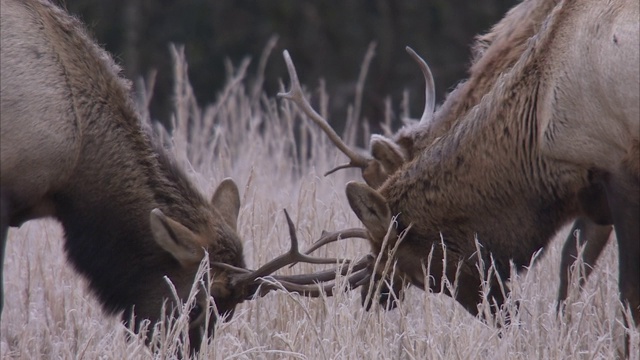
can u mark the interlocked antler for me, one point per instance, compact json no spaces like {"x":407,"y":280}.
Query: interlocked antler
{"x":261,"y":282}
{"x":296,"y":95}
{"x":329,"y":237}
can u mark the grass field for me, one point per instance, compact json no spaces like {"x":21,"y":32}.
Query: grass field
{"x":278,"y":159}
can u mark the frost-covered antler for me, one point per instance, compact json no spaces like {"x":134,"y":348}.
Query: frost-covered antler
{"x":296,"y":95}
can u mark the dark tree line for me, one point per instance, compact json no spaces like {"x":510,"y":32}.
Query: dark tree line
{"x":327,"y":39}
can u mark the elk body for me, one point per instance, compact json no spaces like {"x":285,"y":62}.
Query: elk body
{"x":495,"y":53}
{"x":74,"y":148}
{"x":511,"y":171}
{"x":554,"y":137}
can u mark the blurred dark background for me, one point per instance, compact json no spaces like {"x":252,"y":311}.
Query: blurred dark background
{"x":326,"y":39}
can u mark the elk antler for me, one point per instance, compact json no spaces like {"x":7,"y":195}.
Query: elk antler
{"x":260,"y":281}
{"x":296,"y":95}
{"x":429,"y":91}
{"x":329,"y":237}
{"x":307,"y":284}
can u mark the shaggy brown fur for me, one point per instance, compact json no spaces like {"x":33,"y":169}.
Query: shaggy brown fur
{"x":494,"y":53}
{"x":74,"y":148}
{"x":510,"y":170}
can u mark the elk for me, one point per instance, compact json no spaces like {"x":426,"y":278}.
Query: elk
{"x":553,"y":137}
{"x":495,"y":53}
{"x":74,"y":148}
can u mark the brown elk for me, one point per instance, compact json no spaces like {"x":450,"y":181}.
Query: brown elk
{"x":74,"y":148}
{"x":495,"y":53}
{"x":554,"y":137}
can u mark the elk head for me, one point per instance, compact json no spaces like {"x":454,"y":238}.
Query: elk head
{"x":228,"y":282}
{"x":188,"y":247}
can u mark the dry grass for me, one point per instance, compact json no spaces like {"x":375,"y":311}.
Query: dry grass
{"x":253,"y":138}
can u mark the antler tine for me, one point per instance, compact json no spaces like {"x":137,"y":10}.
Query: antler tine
{"x":296,"y":95}
{"x":343,"y":166}
{"x":329,"y":237}
{"x":283,"y":260}
{"x":354,"y":280}
{"x":326,"y":275}
{"x":429,"y":91}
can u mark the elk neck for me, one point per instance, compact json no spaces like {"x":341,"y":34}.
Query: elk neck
{"x":118,"y":178}
{"x":105,"y":212}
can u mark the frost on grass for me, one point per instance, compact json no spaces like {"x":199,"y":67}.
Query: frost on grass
{"x":278,"y":159}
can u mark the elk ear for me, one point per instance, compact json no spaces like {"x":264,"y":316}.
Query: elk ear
{"x":370,"y":207}
{"x":175,"y":238}
{"x":226,"y":199}
{"x":387,"y":152}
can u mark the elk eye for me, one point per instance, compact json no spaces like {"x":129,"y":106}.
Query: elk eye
{"x":195,"y":312}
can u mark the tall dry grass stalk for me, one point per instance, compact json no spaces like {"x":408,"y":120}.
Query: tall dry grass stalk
{"x":277,"y":159}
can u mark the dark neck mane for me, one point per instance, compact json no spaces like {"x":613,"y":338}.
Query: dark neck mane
{"x":106,"y":221}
